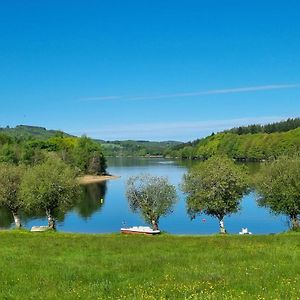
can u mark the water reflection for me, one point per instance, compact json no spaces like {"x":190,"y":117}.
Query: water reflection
{"x":91,"y":200}
{"x":91,"y":214}
{"x":6,"y":218}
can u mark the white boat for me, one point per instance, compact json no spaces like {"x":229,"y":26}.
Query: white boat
{"x":245,"y":231}
{"x":139,"y":230}
{"x":39,"y":228}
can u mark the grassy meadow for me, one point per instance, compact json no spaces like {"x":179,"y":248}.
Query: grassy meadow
{"x":76,"y":266}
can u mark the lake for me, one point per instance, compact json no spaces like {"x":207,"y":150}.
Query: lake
{"x":93,"y":215}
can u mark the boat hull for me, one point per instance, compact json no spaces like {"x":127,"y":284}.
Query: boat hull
{"x":137,"y":231}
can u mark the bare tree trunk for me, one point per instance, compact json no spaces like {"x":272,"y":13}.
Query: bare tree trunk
{"x":17,"y":219}
{"x":51,"y":220}
{"x":295,"y":222}
{"x":154,"y":224}
{"x":222,"y":227}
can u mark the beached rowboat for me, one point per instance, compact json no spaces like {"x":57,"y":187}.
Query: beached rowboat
{"x":139,"y":230}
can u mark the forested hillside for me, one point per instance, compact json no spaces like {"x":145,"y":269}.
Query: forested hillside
{"x":244,"y":143}
{"x":25,"y":131}
{"x":282,"y":126}
{"x":110,"y":148}
{"x":83,"y":154}
{"x":137,"y":148}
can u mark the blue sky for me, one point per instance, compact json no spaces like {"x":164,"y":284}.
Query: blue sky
{"x":154,"y":70}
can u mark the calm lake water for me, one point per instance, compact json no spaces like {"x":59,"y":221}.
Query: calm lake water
{"x":91,"y":215}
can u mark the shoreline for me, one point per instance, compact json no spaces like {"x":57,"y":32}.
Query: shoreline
{"x":88,"y":179}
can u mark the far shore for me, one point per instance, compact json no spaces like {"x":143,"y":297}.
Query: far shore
{"x":88,"y":179}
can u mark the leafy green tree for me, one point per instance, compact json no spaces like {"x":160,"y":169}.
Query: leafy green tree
{"x":88,"y":157}
{"x":10,"y":182}
{"x":31,"y":156}
{"x":51,"y":186}
{"x":215,"y":187}
{"x":278,"y":188}
{"x":152,"y":196}
{"x":8,"y":154}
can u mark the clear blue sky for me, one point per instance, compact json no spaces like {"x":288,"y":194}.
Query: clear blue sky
{"x":148,"y":69}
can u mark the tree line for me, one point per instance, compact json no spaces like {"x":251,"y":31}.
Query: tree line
{"x":282,"y":126}
{"x":216,"y":187}
{"x":244,"y":147}
{"x":83,"y":154}
{"x":136,"y":148}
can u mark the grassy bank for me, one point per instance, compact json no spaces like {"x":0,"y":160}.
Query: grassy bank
{"x":71,"y":266}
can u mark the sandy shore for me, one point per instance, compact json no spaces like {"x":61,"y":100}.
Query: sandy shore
{"x":87,"y":179}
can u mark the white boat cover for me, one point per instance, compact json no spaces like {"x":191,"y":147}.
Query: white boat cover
{"x":140,"y":229}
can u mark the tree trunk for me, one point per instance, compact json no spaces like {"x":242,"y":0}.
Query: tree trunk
{"x":154,"y":225}
{"x":222,"y":227}
{"x":17,"y":219}
{"x":295,"y":222}
{"x":51,"y":220}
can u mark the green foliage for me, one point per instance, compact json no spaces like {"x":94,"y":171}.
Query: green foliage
{"x":10,"y":182}
{"x":28,"y":132}
{"x":248,"y":147}
{"x":137,"y":148}
{"x":50,"y":186}
{"x":215,"y":187}
{"x":152,"y":196}
{"x":88,"y":157}
{"x":83,"y":153}
{"x":52,"y":179}
{"x":278,"y":188}
{"x":8,"y":153}
{"x":282,"y":126}
{"x":6,"y":217}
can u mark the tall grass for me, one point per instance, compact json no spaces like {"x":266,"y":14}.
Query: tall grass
{"x":75,"y":266}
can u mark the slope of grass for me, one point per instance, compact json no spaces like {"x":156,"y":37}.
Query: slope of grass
{"x":74,"y":266}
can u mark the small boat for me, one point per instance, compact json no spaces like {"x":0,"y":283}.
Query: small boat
{"x":245,"y":231}
{"x":139,"y":230}
{"x":39,"y":228}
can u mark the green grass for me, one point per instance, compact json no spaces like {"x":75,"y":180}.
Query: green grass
{"x":74,"y":266}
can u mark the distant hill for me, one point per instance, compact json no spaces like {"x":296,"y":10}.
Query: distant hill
{"x":31,"y":145}
{"x":137,"y":148}
{"x":110,"y":148}
{"x":253,"y":143}
{"x":25,"y":132}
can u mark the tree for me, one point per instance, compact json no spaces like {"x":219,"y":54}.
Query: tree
{"x":10,"y":182}
{"x":8,"y":154}
{"x":152,"y":196}
{"x":50,"y":186}
{"x":88,"y":156}
{"x":215,"y":187}
{"x":278,"y":188}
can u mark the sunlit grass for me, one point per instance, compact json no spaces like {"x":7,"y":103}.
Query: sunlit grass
{"x":74,"y":266}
